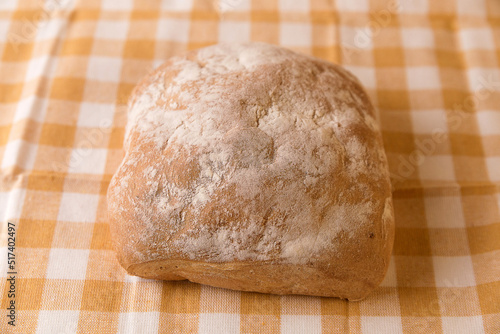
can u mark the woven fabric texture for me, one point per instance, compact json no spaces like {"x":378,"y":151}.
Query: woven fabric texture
{"x":431,"y":68}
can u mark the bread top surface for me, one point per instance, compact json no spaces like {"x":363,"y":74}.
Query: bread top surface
{"x":252,"y":153}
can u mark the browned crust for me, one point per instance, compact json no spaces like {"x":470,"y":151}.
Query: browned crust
{"x":352,"y":270}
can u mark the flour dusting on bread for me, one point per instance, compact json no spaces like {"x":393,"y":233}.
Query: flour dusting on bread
{"x":249,"y":152}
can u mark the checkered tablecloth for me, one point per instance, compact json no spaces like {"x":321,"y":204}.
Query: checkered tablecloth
{"x":67,"y":68}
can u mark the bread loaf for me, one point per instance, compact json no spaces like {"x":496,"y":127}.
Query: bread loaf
{"x":252,"y":167}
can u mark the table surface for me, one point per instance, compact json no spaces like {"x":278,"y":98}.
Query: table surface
{"x":67,"y":68}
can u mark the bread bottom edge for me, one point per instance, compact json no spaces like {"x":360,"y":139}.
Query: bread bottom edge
{"x":274,"y":278}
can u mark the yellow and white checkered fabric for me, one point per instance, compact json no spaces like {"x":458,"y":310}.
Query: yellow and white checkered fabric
{"x":432,"y":69}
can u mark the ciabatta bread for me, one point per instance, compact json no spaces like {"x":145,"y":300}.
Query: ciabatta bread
{"x":252,"y":167}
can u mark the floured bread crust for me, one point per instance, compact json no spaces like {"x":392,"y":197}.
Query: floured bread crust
{"x":252,"y":167}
